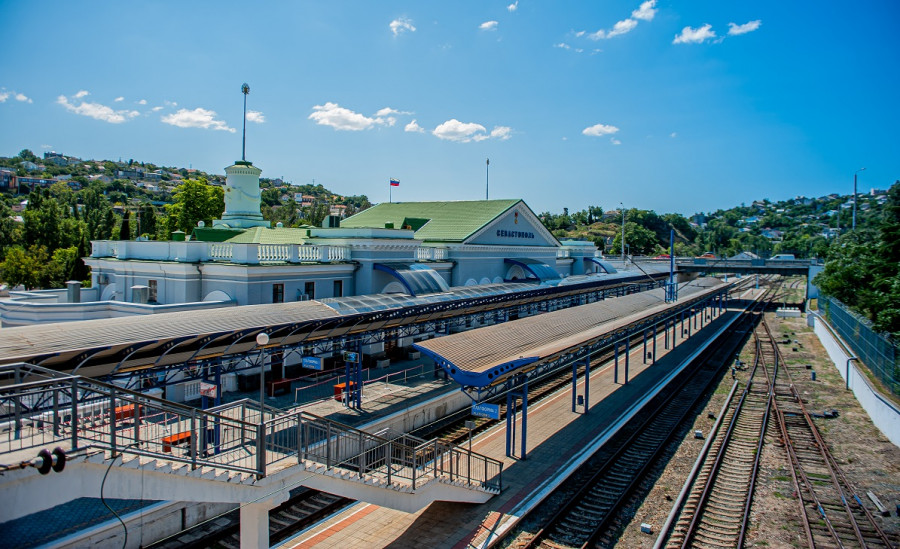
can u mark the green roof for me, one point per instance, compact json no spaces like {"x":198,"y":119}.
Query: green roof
{"x":434,"y":221}
{"x":265,"y":235}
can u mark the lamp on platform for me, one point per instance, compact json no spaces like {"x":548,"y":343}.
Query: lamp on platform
{"x":262,"y":339}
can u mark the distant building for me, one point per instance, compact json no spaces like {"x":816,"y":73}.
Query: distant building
{"x":30,"y":166}
{"x":8,"y":180}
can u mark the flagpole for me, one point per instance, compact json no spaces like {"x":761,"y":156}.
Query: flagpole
{"x":390,"y":193}
{"x":487,"y":178}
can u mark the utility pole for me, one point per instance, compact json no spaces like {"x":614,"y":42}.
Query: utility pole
{"x":854,"y":196}
{"x":622,"y":207}
{"x":245,"y":89}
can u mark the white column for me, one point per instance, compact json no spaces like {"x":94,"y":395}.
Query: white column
{"x":255,"y":526}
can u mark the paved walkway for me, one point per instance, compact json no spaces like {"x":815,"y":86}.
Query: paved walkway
{"x":555,"y":437}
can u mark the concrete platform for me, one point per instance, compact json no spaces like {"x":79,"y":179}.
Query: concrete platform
{"x":558,"y":441}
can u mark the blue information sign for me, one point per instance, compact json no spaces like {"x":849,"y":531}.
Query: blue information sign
{"x":312,"y":362}
{"x":352,"y":357}
{"x":491,"y":411}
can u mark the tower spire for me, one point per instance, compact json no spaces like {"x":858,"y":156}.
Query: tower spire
{"x":245,"y":89}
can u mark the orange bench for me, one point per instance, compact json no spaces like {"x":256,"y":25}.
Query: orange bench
{"x":175,"y":439}
{"x":124,"y":412}
{"x":339,"y":390}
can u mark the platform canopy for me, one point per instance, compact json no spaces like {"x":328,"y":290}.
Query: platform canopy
{"x":489,"y":355}
{"x":417,"y":279}
{"x":538,"y":269}
{"x":602,"y":263}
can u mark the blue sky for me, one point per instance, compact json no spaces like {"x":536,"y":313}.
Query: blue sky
{"x":671,"y":106}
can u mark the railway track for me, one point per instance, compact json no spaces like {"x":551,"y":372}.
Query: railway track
{"x":718,"y":508}
{"x":832,"y":513}
{"x":596,"y":496}
{"x":717,"y":512}
{"x":300,"y":511}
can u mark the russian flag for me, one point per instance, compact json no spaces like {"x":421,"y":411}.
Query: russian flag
{"x":395,"y":182}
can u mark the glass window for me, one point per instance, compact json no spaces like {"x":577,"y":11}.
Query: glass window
{"x":309,"y":288}
{"x":151,"y":297}
{"x":338,"y":288}
{"x":277,"y":293}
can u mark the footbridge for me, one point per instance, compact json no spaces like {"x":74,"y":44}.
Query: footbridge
{"x":237,"y":453}
{"x":801,"y":267}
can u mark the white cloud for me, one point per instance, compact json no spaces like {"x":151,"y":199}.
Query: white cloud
{"x":454,"y":130}
{"x":598,"y":130}
{"x":4,"y":95}
{"x":614,"y":141}
{"x":488,"y":25}
{"x":388,"y":111}
{"x":646,"y":11}
{"x":255,"y":116}
{"x":339,"y":118}
{"x":401,"y":25}
{"x":673,"y":135}
{"x":463,"y":132}
{"x":23,"y":98}
{"x":514,"y":6}
{"x":142,"y":102}
{"x":695,"y":36}
{"x":156,"y":109}
{"x":501,"y":132}
{"x":96,"y":110}
{"x":46,"y":146}
{"x":414,"y":127}
{"x":197,"y":118}
{"x":562,"y":45}
{"x":117,"y":99}
{"x":170,"y":103}
{"x":734,"y":29}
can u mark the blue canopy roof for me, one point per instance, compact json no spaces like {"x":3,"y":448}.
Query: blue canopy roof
{"x":538,"y":269}
{"x":416,"y":278}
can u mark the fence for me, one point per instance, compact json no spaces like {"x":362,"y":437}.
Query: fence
{"x":877,"y":351}
{"x":325,"y":388}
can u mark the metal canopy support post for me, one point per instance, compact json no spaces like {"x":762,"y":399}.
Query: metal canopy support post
{"x":574,"y":385}
{"x":512,"y":398}
{"x":644,"y":355}
{"x":665,"y":334}
{"x":654,"y":345}
{"x":627,"y":352}
{"x":587,"y":383}
{"x":347,"y":383}
{"x":616,"y":366}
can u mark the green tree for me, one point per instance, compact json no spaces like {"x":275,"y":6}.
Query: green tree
{"x":25,"y":268}
{"x":125,"y":228}
{"x":195,"y":200}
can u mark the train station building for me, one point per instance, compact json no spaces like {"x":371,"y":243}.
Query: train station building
{"x":413,"y":249}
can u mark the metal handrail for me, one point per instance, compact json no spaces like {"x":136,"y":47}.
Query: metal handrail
{"x":92,"y":414}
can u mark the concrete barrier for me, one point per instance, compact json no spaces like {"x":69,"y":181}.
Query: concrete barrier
{"x":884,"y":413}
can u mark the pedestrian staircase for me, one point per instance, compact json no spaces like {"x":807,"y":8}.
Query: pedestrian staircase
{"x":156,"y":449}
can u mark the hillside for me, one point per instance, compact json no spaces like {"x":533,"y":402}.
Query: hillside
{"x":802,"y":226}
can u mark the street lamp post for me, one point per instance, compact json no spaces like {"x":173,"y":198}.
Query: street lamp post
{"x":262,"y":339}
{"x":622,"y":207}
{"x":854,"y":196}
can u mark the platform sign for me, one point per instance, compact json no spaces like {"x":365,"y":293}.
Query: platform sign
{"x":351,"y":357}
{"x":312,"y":362}
{"x":208,"y":389}
{"x":490,"y":411}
